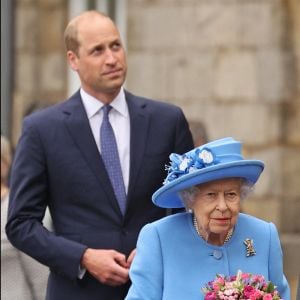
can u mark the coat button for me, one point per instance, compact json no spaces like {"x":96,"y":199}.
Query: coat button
{"x":217,"y":254}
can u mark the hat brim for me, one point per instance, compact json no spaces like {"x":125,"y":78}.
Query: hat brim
{"x":168,"y":197}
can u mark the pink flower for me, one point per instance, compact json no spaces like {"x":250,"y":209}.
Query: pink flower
{"x":231,"y":292}
{"x":245,"y":275}
{"x":265,"y":286}
{"x":256,"y":295}
{"x":220,"y":280}
{"x":210,"y":296}
{"x":248,"y":291}
{"x":258,"y":278}
{"x":242,"y":286}
{"x":229,"y":285}
{"x":267,"y":297}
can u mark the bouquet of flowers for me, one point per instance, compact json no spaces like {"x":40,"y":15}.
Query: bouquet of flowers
{"x":244,"y":286}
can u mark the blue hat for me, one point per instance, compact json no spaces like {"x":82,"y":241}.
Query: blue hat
{"x":212,"y":161}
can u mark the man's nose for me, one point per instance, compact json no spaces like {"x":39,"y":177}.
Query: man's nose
{"x":110,"y":57}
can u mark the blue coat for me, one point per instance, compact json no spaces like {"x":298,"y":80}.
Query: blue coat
{"x":57,"y":164}
{"x":173,"y":262}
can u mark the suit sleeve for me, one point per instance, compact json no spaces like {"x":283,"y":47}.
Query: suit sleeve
{"x":276,"y":264}
{"x":29,"y":196}
{"x":146,"y":272}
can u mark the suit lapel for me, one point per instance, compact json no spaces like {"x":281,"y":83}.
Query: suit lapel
{"x":139,"y":123}
{"x":78,"y":125}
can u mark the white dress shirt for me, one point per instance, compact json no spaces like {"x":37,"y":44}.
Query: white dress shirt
{"x":120,"y":122}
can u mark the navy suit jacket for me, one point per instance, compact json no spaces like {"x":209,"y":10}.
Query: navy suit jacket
{"x":57,"y":164}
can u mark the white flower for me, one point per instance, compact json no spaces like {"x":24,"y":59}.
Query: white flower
{"x":192,"y":169}
{"x":184,"y":164}
{"x":206,"y":156}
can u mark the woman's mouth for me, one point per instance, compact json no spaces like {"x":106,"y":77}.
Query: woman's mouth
{"x":222,"y":220}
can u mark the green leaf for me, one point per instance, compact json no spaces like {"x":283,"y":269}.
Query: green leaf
{"x":270,"y":287}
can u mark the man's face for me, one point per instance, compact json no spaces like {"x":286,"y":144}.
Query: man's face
{"x":101,"y":60}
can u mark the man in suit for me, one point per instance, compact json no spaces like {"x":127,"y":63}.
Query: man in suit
{"x":59,"y":163}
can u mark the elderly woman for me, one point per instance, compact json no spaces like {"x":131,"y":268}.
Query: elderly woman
{"x":179,"y":254}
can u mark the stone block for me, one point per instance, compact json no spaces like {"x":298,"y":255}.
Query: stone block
{"x":257,"y":24}
{"x":51,"y":4}
{"x":215,"y":24}
{"x":190,"y":75}
{"x":267,"y":209}
{"x":271,"y":78}
{"x":270,"y":181}
{"x":252,"y":123}
{"x":236,"y":76}
{"x":291,"y":249}
{"x":291,"y":172}
{"x":26,"y":29}
{"x":172,"y":76}
{"x":51,"y":29}
{"x":53,"y":72}
{"x":292,"y":122}
{"x":147,"y":74}
{"x":290,"y":214}
{"x":25,"y":76}
{"x":148,"y":29}
{"x":22,"y":3}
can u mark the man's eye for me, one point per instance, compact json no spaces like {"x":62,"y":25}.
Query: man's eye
{"x":116,"y":46}
{"x":97,"y":50}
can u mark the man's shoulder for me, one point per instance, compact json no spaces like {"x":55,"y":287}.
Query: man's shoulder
{"x":151,"y":103}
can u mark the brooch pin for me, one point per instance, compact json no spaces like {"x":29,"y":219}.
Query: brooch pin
{"x":249,"y":247}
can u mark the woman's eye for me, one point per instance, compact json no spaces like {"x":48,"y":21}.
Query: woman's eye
{"x":211,"y":195}
{"x":231,"y":195}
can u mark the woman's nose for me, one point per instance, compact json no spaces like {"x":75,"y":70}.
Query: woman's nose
{"x":221,"y":204}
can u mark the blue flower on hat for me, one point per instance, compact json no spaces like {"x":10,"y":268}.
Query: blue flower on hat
{"x":188,"y":163}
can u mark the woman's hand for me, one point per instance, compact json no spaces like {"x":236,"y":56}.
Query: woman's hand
{"x":131,"y":257}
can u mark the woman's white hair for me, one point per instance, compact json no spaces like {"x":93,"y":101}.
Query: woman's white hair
{"x":189,"y":195}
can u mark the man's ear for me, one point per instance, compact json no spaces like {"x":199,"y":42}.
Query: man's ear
{"x":72,"y":60}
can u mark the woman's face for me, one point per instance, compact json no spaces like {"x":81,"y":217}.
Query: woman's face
{"x":217,"y":205}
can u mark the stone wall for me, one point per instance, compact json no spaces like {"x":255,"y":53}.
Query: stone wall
{"x":234,"y":65}
{"x":39,"y":65}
